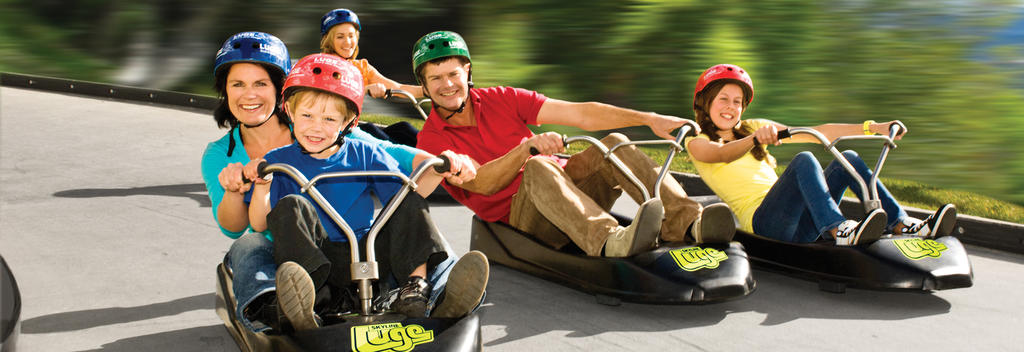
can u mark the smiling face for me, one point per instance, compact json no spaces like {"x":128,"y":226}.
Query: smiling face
{"x":727,"y":107}
{"x":318,"y":118}
{"x":447,"y":82}
{"x":345,"y":40}
{"x":250,"y":93}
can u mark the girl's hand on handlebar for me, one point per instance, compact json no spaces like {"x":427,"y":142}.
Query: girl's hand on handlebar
{"x":376,"y":90}
{"x":882,"y":128}
{"x":767,"y":134}
{"x":231,"y":180}
{"x":251,"y":172}
{"x":461,"y":170}
{"x":547,"y":143}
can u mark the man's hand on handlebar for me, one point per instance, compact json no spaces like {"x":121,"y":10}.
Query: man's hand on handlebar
{"x":460,"y":170}
{"x":546,"y":143}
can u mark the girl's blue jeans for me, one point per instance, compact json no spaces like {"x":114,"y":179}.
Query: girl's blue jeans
{"x":804,"y":203}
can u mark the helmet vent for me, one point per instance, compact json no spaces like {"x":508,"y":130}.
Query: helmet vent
{"x":237,"y":45}
{"x":431,"y":46}
{"x":447,"y":44}
{"x":336,"y":75}
{"x":316,"y":71}
{"x":255,"y":45}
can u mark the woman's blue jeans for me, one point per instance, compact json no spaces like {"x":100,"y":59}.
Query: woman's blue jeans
{"x":804,"y":203}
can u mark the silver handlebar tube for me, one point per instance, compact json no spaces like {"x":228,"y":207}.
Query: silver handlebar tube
{"x":614,"y":160}
{"x":871,"y":201}
{"x":677,"y":146}
{"x":363,"y":272}
{"x":415,"y":103}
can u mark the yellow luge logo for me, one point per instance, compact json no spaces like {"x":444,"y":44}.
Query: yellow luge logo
{"x":916,"y":248}
{"x":696,"y":258}
{"x":389,"y":337}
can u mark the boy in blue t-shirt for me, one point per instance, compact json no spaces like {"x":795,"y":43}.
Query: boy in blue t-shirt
{"x":323,"y":95}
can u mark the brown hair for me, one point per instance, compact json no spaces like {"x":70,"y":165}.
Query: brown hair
{"x":702,"y":106}
{"x":327,"y":43}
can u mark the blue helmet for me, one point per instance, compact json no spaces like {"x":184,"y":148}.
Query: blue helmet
{"x":254,"y":47}
{"x":336,"y":17}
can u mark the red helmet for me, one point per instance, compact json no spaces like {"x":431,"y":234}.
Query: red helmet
{"x":328,"y":73}
{"x":725,"y":71}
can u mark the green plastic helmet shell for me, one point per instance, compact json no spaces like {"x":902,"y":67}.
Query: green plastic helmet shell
{"x":437,"y":45}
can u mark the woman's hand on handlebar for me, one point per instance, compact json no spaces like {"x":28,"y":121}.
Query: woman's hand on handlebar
{"x":767,"y":134}
{"x":882,"y":128}
{"x":231,"y":178}
{"x":251,"y":172}
{"x":376,"y":90}
{"x":546,"y":143}
{"x":461,"y":168}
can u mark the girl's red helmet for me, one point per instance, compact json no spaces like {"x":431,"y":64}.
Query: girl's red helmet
{"x":328,"y":73}
{"x":724,"y":71}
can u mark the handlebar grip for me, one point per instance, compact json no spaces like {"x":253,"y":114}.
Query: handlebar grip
{"x":261,"y":169}
{"x":785,"y":134}
{"x":534,"y":151}
{"x":387,"y":93}
{"x":447,"y":166}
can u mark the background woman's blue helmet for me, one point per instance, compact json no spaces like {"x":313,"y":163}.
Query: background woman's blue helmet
{"x":336,"y":17}
{"x":254,"y":47}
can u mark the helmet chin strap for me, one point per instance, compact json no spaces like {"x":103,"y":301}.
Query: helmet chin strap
{"x":339,"y":141}
{"x":258,"y":124}
{"x":456,"y":111}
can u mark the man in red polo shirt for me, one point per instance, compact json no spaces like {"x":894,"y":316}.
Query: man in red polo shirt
{"x":555,"y":199}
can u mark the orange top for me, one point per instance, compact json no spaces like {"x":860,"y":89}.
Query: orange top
{"x":366,"y":69}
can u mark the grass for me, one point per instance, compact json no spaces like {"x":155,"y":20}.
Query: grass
{"x":910,"y":193}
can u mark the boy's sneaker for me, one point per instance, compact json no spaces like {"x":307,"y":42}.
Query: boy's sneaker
{"x":851,"y":233}
{"x":640,"y":235}
{"x":940,"y":223}
{"x":715,"y":225}
{"x":465,"y":288}
{"x":412,"y":298}
{"x":295,"y":296}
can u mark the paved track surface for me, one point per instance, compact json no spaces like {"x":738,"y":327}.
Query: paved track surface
{"x":105,"y":222}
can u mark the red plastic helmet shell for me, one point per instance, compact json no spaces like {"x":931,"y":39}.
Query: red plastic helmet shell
{"x":724,"y":71}
{"x":328,"y":73}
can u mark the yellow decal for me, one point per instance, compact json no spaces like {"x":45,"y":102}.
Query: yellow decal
{"x":696,"y":258}
{"x":389,"y":337}
{"x":916,"y":248}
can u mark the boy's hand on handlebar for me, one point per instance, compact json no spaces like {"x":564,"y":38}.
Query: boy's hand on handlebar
{"x":231,"y":179}
{"x":768,"y":135}
{"x":547,"y":143}
{"x":882,"y":128}
{"x":376,"y":90}
{"x":461,"y":169}
{"x":251,"y":172}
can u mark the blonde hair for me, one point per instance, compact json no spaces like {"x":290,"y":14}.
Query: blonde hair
{"x":327,"y":42}
{"x":311,"y":96}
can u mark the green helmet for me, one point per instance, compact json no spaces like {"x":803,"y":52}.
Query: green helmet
{"x":437,"y":45}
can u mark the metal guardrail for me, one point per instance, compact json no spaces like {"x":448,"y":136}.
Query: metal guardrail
{"x":107,"y":90}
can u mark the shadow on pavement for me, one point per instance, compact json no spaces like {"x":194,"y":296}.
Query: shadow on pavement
{"x":194,"y":191}
{"x":526,"y":306}
{"x":85,"y":319}
{"x":199,"y":339}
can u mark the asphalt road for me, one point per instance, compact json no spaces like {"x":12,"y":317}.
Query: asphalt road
{"x":105,"y":222}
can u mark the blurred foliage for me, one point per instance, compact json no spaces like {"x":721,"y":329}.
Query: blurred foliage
{"x":932,"y":64}
{"x":812,"y":62}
